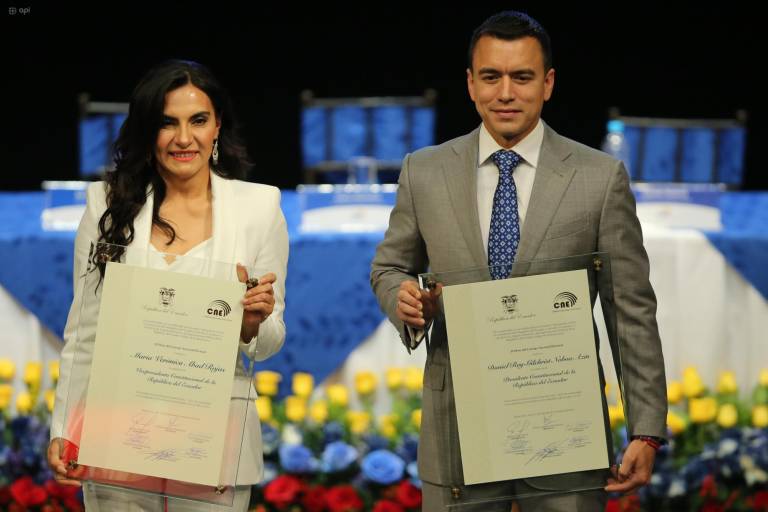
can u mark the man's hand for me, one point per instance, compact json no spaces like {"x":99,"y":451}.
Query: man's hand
{"x":635,"y":469}
{"x":415,"y":306}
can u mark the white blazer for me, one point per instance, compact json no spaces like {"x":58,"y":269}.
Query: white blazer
{"x":248,"y":228}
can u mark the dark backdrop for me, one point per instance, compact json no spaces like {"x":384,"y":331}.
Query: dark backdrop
{"x":650,"y":60}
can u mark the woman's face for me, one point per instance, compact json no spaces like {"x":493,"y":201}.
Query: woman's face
{"x":185,"y":139}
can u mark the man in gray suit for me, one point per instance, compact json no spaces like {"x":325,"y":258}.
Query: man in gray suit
{"x":514,"y":190}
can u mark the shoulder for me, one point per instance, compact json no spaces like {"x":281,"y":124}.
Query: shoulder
{"x":253,"y":196}
{"x":449,"y":149}
{"x":580,"y":156}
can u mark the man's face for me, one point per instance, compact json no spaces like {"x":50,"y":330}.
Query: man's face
{"x":509,"y":86}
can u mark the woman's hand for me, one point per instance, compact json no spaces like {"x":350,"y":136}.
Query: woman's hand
{"x":258,"y":303}
{"x":57,"y":464}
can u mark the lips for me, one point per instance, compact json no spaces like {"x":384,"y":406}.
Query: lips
{"x":507,"y":114}
{"x":183,"y":156}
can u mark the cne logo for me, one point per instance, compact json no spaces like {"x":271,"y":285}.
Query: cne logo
{"x":564,"y":300}
{"x":218,"y":308}
{"x":166,"y":297}
{"x":509,"y":303}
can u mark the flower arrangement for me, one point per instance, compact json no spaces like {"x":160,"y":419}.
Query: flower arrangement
{"x":321,"y":455}
{"x":26,"y":483}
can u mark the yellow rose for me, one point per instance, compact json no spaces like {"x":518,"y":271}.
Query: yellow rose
{"x":727,"y":416}
{"x":387,"y":423}
{"x":33,"y":374}
{"x":762,"y":379}
{"x":702,"y":410}
{"x":7,"y":369}
{"x":394,"y":378}
{"x":414,"y":378}
{"x":365,"y":383}
{"x":50,"y":399}
{"x":23,"y":403}
{"x":416,"y":418}
{"x":760,"y":416}
{"x":337,"y":394}
{"x":295,"y":408}
{"x":267,"y":382}
{"x":615,"y":414}
{"x":674,"y":392}
{"x":53,"y":371}
{"x":6,"y":392}
{"x":692,"y":385}
{"x":318,"y":411}
{"x":727,"y":383}
{"x":675,"y":422}
{"x":359,"y":421}
{"x":303,"y":384}
{"x":264,"y":408}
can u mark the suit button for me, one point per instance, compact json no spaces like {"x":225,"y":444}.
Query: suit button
{"x":455,"y":492}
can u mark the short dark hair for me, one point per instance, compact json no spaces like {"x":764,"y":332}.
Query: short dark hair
{"x":511,"y":25}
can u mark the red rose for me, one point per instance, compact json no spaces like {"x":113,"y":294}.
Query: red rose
{"x":612,"y":506}
{"x":5,"y":495}
{"x":314,"y":499}
{"x":761,"y":501}
{"x":343,"y":498}
{"x":283,"y":490}
{"x":56,"y":490}
{"x":26,"y":493}
{"x":711,"y":506}
{"x":408,"y":495}
{"x":708,"y":487}
{"x":387,"y":506}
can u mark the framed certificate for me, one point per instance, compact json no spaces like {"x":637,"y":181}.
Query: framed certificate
{"x":158,"y":397}
{"x":526,"y":376}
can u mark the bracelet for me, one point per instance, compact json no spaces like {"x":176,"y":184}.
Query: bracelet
{"x":653,"y":442}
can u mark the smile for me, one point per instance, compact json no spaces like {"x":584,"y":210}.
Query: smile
{"x":185,"y":156}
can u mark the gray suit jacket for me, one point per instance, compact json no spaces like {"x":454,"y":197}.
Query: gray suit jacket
{"x":581,"y":202}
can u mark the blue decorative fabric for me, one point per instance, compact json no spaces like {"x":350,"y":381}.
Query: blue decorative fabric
{"x":330,"y":307}
{"x":504,"y":234}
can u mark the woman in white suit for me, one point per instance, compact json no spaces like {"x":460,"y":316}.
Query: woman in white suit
{"x":173,"y":191}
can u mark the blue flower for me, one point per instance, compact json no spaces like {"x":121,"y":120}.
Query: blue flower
{"x":270,"y":438}
{"x":408,"y":447}
{"x":296,"y":458}
{"x":333,"y":431}
{"x":383,"y":467}
{"x":337,"y":456}
{"x":375,"y":442}
{"x":413,"y":471}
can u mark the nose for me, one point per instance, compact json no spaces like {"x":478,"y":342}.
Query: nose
{"x":506,"y":92}
{"x":183,"y":135}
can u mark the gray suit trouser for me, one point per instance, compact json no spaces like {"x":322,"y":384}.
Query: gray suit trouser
{"x":436,"y":498}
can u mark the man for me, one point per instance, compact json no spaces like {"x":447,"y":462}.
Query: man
{"x":514,"y":190}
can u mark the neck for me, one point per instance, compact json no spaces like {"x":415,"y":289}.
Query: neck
{"x":190,"y":189}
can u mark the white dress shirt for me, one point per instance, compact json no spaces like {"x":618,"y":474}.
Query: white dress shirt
{"x":488,"y":175}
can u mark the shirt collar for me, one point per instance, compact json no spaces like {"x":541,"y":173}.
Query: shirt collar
{"x":528,"y":148}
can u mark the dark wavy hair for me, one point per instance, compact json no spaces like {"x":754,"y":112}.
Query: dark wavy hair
{"x":135,"y":175}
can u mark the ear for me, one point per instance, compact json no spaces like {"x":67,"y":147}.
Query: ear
{"x":218,"y":127}
{"x":470,"y":84}
{"x":549,"y":84}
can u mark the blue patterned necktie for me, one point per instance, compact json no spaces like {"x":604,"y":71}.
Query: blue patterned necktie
{"x":504,"y":235}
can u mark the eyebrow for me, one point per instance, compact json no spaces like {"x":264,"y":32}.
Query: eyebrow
{"x":517,"y":72}
{"x":196,"y":114}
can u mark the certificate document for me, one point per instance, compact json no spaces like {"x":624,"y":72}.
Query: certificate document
{"x":162,"y":373}
{"x":525,"y":377}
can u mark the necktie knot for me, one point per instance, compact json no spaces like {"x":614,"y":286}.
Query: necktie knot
{"x":506,"y":160}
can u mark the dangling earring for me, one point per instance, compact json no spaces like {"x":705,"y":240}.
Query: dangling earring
{"x":215,"y":153}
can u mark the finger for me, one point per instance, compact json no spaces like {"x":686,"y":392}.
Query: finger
{"x":269,"y":277}
{"x":625,"y":487}
{"x":410,"y":311}
{"x":411,"y":288}
{"x":406,"y":298}
{"x":242,"y":273}
{"x":67,"y":481}
{"x":262,"y":288}
{"x":414,"y":321}
{"x":261,"y":297}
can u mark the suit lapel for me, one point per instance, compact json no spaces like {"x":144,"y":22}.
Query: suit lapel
{"x":552,"y":179}
{"x":460,"y":173}
{"x":225,"y":222}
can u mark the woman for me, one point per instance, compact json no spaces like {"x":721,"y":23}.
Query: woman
{"x":173,"y":191}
